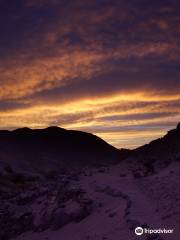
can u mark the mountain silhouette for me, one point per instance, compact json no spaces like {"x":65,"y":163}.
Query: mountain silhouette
{"x":53,"y":147}
{"x":165,"y":147}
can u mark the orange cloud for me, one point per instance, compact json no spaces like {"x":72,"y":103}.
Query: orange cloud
{"x":20,"y":78}
{"x":116,"y":118}
{"x":47,"y":73}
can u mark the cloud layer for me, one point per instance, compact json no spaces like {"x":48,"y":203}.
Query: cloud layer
{"x":107,"y":67}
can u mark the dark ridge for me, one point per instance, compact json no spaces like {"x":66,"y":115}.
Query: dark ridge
{"x":53,"y":147}
{"x":178,"y":126}
{"x":166,"y":146}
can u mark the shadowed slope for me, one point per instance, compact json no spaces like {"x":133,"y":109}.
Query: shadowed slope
{"x":169,"y":145}
{"x":53,"y":147}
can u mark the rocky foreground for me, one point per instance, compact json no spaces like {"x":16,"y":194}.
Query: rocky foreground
{"x":104,"y":203}
{"x":94,"y":192}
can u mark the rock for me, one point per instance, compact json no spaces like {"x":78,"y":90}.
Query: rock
{"x":59,"y":219}
{"x":86,"y":209}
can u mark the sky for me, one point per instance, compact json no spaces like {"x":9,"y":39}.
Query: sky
{"x":109,"y":67}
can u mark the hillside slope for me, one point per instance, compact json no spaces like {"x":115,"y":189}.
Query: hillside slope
{"x":89,"y":201}
{"x":53,"y":147}
{"x":167,"y":146}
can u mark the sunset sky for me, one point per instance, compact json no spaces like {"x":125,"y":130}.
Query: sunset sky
{"x":109,"y":67}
